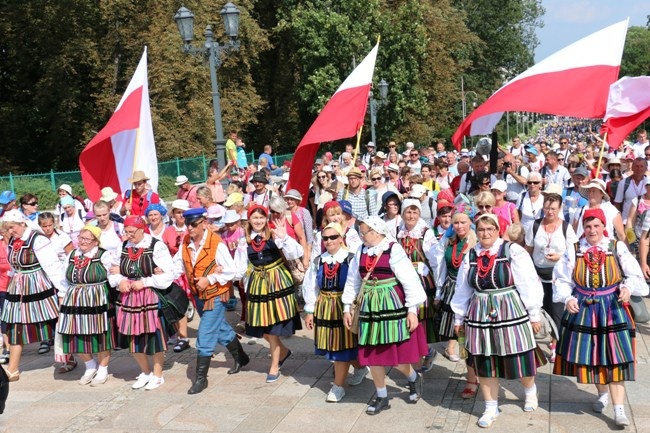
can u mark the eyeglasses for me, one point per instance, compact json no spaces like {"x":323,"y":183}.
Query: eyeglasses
{"x":486,"y":230}
{"x":534,"y":182}
{"x":322,"y":177}
{"x":130,"y":232}
{"x":376,"y":179}
{"x":33,"y":203}
{"x":484,"y":207}
{"x":413,"y":154}
{"x":83,"y":239}
{"x":330,"y":238}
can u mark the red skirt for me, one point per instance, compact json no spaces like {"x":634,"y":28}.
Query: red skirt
{"x":390,"y":355}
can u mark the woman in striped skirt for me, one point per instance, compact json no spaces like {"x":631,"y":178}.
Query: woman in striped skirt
{"x":87,"y":318}
{"x":272,"y":310}
{"x":322,"y":288}
{"x":418,"y":241}
{"x":388,"y":293}
{"x":31,"y":307}
{"x":497,"y":303}
{"x":140,"y":328}
{"x":594,"y":280}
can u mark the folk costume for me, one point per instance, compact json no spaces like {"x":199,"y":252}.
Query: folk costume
{"x":597,"y":345}
{"x":201,"y":261}
{"x":31,"y":307}
{"x":322,"y":289}
{"x":87,"y":318}
{"x":498,"y":295}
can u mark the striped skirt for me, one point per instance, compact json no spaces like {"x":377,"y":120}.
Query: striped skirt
{"x":137,"y":312}
{"x":427,"y":311}
{"x":445,"y":317}
{"x":271,"y":296}
{"x":382,"y":315}
{"x":509,"y":366}
{"x":149,"y":343}
{"x":598,"y":344}
{"x":331,"y":338}
{"x":31,"y":308}
{"x":497,"y":324}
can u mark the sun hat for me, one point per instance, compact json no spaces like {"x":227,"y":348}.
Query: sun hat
{"x":65,"y":187}
{"x":417,"y":191}
{"x":259,"y":177}
{"x":294,"y":194}
{"x":181,"y":180}
{"x":553,"y":188}
{"x":500,"y":185}
{"x":235,"y":197}
{"x":393,"y":167}
{"x":138,"y":176}
{"x":230,"y":217}
{"x":181,"y":204}
{"x":594,"y":183}
{"x":354,"y":171}
{"x":215,"y":211}
{"x":108,"y":194}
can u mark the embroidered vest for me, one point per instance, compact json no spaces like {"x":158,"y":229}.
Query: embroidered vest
{"x":205,"y":264}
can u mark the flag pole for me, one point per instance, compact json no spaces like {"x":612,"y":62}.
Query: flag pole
{"x":354,"y":160}
{"x":600,"y":158}
{"x":135,"y":160}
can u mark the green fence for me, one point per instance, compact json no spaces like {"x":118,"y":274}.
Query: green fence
{"x":194,"y":168}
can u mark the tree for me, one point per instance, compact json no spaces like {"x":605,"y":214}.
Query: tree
{"x":636,"y":54}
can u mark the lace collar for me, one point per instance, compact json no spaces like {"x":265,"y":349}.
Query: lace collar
{"x":338,"y":257}
{"x":89,"y":254}
{"x":416,"y":233}
{"x":384,"y":245}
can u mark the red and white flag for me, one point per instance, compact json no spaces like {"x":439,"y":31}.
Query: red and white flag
{"x":572,"y":82}
{"x":342,"y":117}
{"x":628,"y":106}
{"x":125,"y":144}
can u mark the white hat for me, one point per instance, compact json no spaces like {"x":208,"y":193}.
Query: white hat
{"x":411,"y":202}
{"x":230,"y":217}
{"x":108,"y":194}
{"x":285,"y":176}
{"x":393,"y":167}
{"x":181,"y":180}
{"x":370,"y":144}
{"x":417,"y":191}
{"x":553,"y":188}
{"x":381,"y":155}
{"x":377,"y":224}
{"x":410,"y":145}
{"x":294,"y":194}
{"x":181,"y":204}
{"x":599,"y":184}
{"x":14,"y":216}
{"x":67,"y":188}
{"x":327,"y":169}
{"x":324,"y":197}
{"x":500,"y":185}
{"x":610,"y":161}
{"x":215,"y":211}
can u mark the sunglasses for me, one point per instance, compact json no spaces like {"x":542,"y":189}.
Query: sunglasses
{"x":564,"y":142}
{"x":484,"y":207}
{"x":414,"y":154}
{"x":330,"y":238}
{"x":35,"y":203}
{"x":322,"y":177}
{"x":534,"y":183}
{"x":195,"y":224}
{"x":376,"y":178}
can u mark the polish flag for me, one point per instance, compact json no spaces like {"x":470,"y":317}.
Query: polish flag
{"x":342,"y":117}
{"x":125,"y":144}
{"x":572,"y":82}
{"x":628,"y":106}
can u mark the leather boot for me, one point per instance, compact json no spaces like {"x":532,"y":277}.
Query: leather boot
{"x":238,"y":354}
{"x":201,"y":381}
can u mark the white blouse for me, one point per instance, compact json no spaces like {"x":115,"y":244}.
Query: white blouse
{"x":429,"y":242}
{"x":401,"y":266}
{"x":310,"y":287}
{"x":106,"y":260}
{"x":47,"y":257}
{"x":555,"y":241}
{"x":563,"y":273}
{"x":162,"y":259}
{"x":291,"y":250}
{"x":610,"y":213}
{"x":527,"y":282}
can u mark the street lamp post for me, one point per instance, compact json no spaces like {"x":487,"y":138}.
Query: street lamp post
{"x":185,"y":21}
{"x":383,"y":94}
{"x":463,"y":95}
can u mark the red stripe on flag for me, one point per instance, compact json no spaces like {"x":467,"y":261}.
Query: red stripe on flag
{"x":97,"y":162}
{"x":618,"y":128}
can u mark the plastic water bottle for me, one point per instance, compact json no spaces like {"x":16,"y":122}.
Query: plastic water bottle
{"x":462,"y":350}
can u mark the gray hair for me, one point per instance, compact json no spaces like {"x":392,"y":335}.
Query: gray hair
{"x":277,"y":204}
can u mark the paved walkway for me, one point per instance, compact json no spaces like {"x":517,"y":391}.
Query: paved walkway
{"x":44,"y":401}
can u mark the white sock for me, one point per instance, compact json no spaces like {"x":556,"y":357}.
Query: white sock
{"x":102,"y":372}
{"x":491,"y":406}
{"x":603,"y":397}
{"x":412,"y":376}
{"x":91,"y":365}
{"x":619,"y":409}
{"x":382,"y":392}
{"x":532,"y":391}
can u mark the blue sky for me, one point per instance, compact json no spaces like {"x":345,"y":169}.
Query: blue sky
{"x":567,"y":21}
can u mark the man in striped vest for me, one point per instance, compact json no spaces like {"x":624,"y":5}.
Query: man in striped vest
{"x":210,"y":270}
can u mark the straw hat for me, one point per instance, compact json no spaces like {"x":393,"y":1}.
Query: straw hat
{"x":108,"y":194}
{"x":138,"y":176}
{"x":595,"y":183}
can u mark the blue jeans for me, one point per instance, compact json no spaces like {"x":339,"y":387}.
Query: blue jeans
{"x":213,"y":328}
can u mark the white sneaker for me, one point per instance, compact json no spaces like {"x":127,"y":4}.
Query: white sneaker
{"x":88,"y":376}
{"x":336,"y":394}
{"x":154,"y":383}
{"x":357,"y":377}
{"x":97,"y":381}
{"x":620,"y":419}
{"x":142,"y":380}
{"x":531,"y":403}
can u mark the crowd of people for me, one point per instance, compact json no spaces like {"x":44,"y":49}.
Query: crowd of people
{"x":388,"y":254}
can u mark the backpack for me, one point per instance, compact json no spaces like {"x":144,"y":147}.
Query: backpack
{"x":62,"y":216}
{"x":538,"y":222}
{"x":82,"y":201}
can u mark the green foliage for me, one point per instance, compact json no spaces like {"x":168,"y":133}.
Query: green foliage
{"x":636,"y":55}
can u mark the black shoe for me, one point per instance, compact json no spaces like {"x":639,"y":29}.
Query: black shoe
{"x":44,"y":348}
{"x":238,"y":354}
{"x":201,"y":380}
{"x":378,"y":404}
{"x":415,"y":389}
